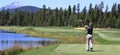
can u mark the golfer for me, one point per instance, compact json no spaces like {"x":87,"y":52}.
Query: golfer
{"x":89,"y":29}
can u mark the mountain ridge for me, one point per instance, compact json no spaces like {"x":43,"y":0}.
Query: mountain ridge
{"x":16,"y":5}
{"x":26,"y":9}
{"x":12,"y":5}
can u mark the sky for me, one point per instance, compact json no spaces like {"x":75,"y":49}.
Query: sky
{"x":59,"y":3}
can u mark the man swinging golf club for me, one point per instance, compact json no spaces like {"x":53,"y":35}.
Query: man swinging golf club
{"x":89,"y":29}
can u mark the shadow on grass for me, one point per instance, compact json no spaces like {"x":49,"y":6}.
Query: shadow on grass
{"x":97,"y":51}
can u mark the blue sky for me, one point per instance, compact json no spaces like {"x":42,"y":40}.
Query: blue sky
{"x":59,"y":3}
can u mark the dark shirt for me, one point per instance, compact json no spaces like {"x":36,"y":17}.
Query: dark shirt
{"x":90,"y":30}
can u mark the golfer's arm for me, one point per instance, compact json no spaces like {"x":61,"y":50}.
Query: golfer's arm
{"x":86,"y":28}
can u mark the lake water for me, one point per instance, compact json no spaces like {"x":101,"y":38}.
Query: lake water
{"x":10,"y":39}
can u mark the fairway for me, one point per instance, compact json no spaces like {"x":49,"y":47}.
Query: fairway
{"x":79,"y":49}
{"x":75,"y":49}
{"x":113,"y":35}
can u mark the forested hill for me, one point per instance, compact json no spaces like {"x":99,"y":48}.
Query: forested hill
{"x":25,"y":9}
{"x":71,"y":17}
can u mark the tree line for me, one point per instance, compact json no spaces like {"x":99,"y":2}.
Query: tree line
{"x":71,"y":17}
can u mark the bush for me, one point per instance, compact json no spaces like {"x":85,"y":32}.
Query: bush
{"x":12,"y":51}
{"x":30,"y":29}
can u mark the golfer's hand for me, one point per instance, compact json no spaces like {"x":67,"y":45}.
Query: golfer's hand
{"x":86,"y":27}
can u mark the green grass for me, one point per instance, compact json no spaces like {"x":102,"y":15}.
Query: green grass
{"x":42,"y":51}
{"x":107,"y":41}
{"x":68,"y":34}
{"x":74,"y":49}
{"x":112,"y":35}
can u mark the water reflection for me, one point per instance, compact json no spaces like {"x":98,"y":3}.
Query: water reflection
{"x":11,"y":39}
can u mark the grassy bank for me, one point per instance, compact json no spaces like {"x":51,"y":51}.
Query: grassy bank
{"x":12,"y":51}
{"x":67,"y":35}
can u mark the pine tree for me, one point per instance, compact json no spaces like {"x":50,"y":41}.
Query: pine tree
{"x":83,"y":15}
{"x":56,"y":19}
{"x":69,"y":10}
{"x":118,"y":9}
{"x":64,"y":18}
{"x":48,"y":13}
{"x":96,"y":15}
{"x":101,"y":15}
{"x":78,"y":8}
{"x":117,"y":24}
{"x":106,"y":15}
{"x":90,"y":12}
{"x":74,"y":9}
{"x":4,"y":17}
{"x":68,"y":15}
{"x":60,"y":16}
{"x":101,"y":6}
{"x":114,"y":10}
{"x":43,"y":17}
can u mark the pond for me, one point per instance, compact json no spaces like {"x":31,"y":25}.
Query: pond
{"x":10,"y":39}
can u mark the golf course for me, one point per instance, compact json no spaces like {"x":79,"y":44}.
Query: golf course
{"x":106,"y":41}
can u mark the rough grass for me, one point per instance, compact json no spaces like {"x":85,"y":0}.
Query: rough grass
{"x":41,"y":51}
{"x":12,"y":51}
